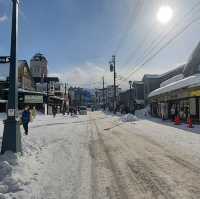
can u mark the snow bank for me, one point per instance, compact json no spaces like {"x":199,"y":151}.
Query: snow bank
{"x":129,"y":118}
{"x":8,"y":182}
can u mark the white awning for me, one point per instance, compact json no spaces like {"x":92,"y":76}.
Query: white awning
{"x":184,"y":83}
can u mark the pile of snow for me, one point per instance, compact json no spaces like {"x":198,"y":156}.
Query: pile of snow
{"x":142,"y":112}
{"x":8,"y":182}
{"x":129,"y":118}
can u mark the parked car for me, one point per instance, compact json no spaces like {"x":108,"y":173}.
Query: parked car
{"x":83,"y":110}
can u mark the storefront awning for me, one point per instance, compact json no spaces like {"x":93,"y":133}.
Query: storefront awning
{"x":184,"y":83}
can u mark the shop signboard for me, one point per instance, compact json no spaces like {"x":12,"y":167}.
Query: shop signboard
{"x":195,"y":93}
{"x":192,"y":106}
{"x":33,"y":99}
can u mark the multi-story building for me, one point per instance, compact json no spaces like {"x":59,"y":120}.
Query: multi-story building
{"x":39,"y":66}
{"x":25,"y":80}
{"x":181,"y":93}
{"x":76,"y":97}
{"x":100,"y":97}
{"x":138,"y":94}
{"x":151,"y":82}
{"x":109,"y":93}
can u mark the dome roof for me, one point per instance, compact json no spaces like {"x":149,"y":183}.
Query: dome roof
{"x":39,"y":57}
{"x":194,"y":61}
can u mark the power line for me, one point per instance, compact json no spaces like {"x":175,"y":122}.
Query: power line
{"x":162,"y":47}
{"x":134,"y":16}
{"x":160,"y":37}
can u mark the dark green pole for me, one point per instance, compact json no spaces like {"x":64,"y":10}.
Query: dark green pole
{"x":12,"y":135}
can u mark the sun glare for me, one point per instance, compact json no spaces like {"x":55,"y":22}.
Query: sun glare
{"x":164,"y":14}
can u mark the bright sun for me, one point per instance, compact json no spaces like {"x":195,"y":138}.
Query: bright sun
{"x":164,"y":14}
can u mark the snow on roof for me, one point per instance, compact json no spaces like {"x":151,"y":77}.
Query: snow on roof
{"x":184,"y":83}
{"x":178,"y":67}
{"x":151,"y":76}
{"x":171,"y":80}
{"x":138,"y":82}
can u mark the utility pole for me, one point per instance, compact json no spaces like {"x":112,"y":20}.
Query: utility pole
{"x":12,"y":135}
{"x":47,"y":98}
{"x":65,"y":100}
{"x":103,"y":96}
{"x":65,"y":88}
{"x":130,"y":84}
{"x":113,"y":69}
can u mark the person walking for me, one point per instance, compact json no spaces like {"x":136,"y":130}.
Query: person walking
{"x":173,"y":112}
{"x":54,"y":111}
{"x":26,"y":117}
{"x":34,"y":112}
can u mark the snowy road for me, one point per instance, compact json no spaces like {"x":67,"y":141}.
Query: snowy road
{"x":99,"y":157}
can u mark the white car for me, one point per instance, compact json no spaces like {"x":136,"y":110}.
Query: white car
{"x":83,"y":110}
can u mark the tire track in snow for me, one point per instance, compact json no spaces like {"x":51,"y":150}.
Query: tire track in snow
{"x":117,"y":175}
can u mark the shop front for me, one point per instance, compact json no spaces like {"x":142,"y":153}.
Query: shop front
{"x":31,"y":99}
{"x":54,"y":101}
{"x":184,"y":102}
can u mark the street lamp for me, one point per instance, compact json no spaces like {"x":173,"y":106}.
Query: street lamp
{"x":130,"y":84}
{"x":12,"y":135}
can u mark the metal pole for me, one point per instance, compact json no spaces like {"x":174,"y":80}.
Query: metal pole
{"x":47,"y":98}
{"x":130,"y":84}
{"x":130,"y":99}
{"x":65,"y":98}
{"x":103,"y":96}
{"x":115,"y":96}
{"x":12,"y":135}
{"x":65,"y":89}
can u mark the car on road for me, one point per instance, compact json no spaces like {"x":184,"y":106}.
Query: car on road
{"x":83,"y":110}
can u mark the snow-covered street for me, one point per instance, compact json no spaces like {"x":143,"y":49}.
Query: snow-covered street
{"x":100,"y":156}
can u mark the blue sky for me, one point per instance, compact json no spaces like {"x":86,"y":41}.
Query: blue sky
{"x":78,"y":37}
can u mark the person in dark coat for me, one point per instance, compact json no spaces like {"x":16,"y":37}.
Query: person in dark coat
{"x":26,"y":115}
{"x":54,"y":110}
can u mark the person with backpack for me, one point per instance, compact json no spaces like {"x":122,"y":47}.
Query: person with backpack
{"x":26,"y":118}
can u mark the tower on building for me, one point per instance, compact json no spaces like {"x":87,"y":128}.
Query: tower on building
{"x":39,"y":66}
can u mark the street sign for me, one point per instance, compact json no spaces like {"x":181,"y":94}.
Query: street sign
{"x":4,"y":59}
{"x":11,"y":112}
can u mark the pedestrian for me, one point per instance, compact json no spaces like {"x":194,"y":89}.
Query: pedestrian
{"x":34,"y":112}
{"x":26,"y":117}
{"x":186,"y":113}
{"x":54,"y":110}
{"x":173,"y":112}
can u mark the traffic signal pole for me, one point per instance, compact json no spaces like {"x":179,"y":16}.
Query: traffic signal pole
{"x":12,"y":135}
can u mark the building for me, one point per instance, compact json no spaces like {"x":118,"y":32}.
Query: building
{"x":138,"y":94}
{"x":25,"y":80}
{"x":109,"y":96}
{"x":151,"y":82}
{"x":181,"y":92}
{"x":39,"y":66}
{"x":124,"y":100}
{"x":79,"y":97}
{"x":100,"y":98}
